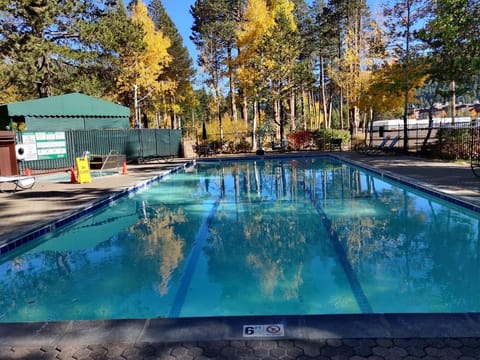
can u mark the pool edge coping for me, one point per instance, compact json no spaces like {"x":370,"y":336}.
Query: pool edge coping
{"x":218,"y":328}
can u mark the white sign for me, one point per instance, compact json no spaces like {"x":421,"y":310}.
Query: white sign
{"x":263,"y":330}
{"x":45,"y":145}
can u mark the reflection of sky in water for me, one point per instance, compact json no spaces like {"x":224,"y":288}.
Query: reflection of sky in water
{"x":304,"y":236}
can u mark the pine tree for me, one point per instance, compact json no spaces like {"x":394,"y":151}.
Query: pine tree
{"x":213,"y":33}
{"x":451,"y":36}
{"x":53,"y":47}
{"x":180,"y":69}
{"x":401,"y":19}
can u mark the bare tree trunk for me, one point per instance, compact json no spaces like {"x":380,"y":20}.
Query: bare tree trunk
{"x":233,"y":100}
{"x":453,"y":99}
{"x":293,"y":125}
{"x":330,"y":109}
{"x":276,"y":116}
{"x":245,"y":109}
{"x":254,"y":125}
{"x":323,"y":94}
{"x":305,"y":103}
{"x":340,"y":109}
{"x":407,"y":79}
{"x":312,"y":111}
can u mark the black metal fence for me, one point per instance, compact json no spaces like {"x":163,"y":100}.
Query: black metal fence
{"x":136,"y":144}
{"x":452,"y":142}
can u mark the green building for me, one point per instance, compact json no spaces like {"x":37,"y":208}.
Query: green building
{"x":65,"y":112}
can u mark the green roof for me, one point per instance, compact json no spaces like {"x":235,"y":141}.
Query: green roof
{"x":68,"y":105}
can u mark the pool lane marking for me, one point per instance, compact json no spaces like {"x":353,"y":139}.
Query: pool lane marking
{"x":357,"y":290}
{"x":192,"y":261}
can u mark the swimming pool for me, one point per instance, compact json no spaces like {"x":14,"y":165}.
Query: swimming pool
{"x":272,"y":237}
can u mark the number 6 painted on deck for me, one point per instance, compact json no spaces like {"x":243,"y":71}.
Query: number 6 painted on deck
{"x":249,"y":330}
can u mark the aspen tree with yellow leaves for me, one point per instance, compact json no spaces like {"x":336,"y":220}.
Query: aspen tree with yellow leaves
{"x":268,"y":50}
{"x":257,"y":21}
{"x":138,"y":83}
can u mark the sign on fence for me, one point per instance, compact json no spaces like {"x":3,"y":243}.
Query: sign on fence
{"x":44,"y":145}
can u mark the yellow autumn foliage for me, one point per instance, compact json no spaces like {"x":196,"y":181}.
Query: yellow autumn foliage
{"x":254,"y":37}
{"x":257,"y":19}
{"x":142,"y":69}
{"x":387,"y":87}
{"x":233,"y":131}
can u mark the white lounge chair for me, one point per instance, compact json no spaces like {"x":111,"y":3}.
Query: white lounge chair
{"x":21,"y":182}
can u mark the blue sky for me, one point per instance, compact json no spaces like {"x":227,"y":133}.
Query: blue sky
{"x":179,"y":12}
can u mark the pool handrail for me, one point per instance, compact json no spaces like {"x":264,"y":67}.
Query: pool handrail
{"x":106,"y":160}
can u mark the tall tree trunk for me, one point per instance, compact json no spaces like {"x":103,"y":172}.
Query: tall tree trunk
{"x":254,"y":125}
{"x":44,"y":86}
{"x":340,"y":108}
{"x":245,"y":110}
{"x":276,"y":116}
{"x":281,"y":114}
{"x":430,"y":118}
{"x":312,"y":113}
{"x":304,"y":110}
{"x":406,"y":79}
{"x":323,"y":97}
{"x":233,"y":100}
{"x":453,"y":100}
{"x":293,"y":125}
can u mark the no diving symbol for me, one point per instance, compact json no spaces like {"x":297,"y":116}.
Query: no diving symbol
{"x":263,"y":330}
{"x":273,"y":329}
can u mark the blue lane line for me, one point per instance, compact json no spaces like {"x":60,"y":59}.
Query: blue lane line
{"x":192,"y":261}
{"x":357,"y":290}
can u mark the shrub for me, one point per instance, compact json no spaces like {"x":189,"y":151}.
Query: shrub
{"x":323,"y":137}
{"x":454,"y":143}
{"x":243,"y":146}
{"x":300,"y":140}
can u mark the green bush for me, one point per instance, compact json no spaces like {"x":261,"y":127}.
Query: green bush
{"x":323,"y":137}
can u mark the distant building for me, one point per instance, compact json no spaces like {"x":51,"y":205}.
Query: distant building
{"x":474,"y":110}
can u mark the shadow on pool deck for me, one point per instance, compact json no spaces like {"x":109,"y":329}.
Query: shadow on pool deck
{"x":374,"y":336}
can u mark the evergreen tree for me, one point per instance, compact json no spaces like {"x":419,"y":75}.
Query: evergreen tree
{"x":213,"y":33}
{"x":402,"y":18}
{"x":326,"y":37}
{"x":452,"y":35}
{"x":53,"y":47}
{"x":181,"y":69}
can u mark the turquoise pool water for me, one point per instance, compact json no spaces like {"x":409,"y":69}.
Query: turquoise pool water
{"x":65,"y":176}
{"x":274,"y":237}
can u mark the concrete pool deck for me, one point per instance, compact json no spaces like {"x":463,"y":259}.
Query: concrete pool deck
{"x":369,"y":336}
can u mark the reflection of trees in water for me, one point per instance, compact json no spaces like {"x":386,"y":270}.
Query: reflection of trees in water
{"x":373,"y":225}
{"x":157,"y":230}
{"x":428,"y":249}
{"x":29,"y":279}
{"x":276,"y":256}
{"x":257,"y":241}
{"x":425,"y":248}
{"x":264,"y":233}
{"x":34,"y":281}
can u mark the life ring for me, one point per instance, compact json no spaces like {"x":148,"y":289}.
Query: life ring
{"x":20,"y":152}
